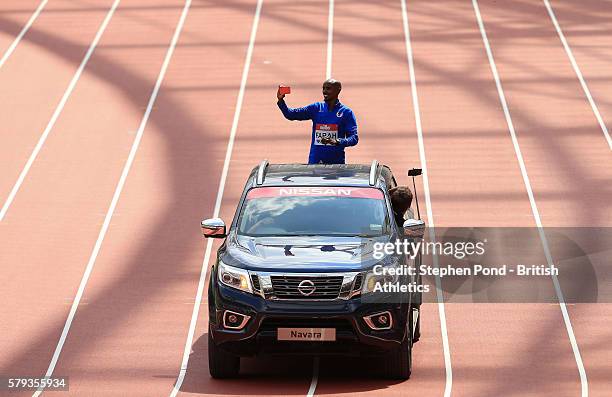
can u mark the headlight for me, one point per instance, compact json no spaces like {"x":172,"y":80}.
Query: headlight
{"x":381,"y":274}
{"x":234,"y":277}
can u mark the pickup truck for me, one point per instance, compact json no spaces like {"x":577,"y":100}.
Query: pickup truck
{"x":294,"y":274}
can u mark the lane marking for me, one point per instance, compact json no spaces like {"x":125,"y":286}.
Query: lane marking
{"x":217,"y":210}
{"x":118,"y":190}
{"x":330,"y":38}
{"x":534,"y":207}
{"x":417,"y":116}
{"x":583,"y":83}
{"x":315,"y":377}
{"x":328,"y":71}
{"x":58,"y":111}
{"x":25,"y":29}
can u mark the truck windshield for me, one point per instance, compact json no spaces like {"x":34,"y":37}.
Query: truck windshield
{"x":314,"y":210}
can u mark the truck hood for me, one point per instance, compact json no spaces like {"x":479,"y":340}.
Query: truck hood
{"x":300,"y":254}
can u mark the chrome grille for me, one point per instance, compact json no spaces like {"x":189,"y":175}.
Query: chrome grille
{"x":299,"y":287}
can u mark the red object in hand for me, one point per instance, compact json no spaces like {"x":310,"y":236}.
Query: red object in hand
{"x":284,"y":89}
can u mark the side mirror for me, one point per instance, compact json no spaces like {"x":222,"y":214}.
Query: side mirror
{"x":213,"y":228}
{"x":414,"y":228}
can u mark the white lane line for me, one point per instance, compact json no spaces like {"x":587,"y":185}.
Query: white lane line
{"x":315,"y":377}
{"x":217,"y":210}
{"x":58,"y":111}
{"x":25,"y":29}
{"x":534,"y":207}
{"x":583,"y":83}
{"x":328,"y":71}
{"x":417,"y":116}
{"x":330,"y":40}
{"x":118,"y":190}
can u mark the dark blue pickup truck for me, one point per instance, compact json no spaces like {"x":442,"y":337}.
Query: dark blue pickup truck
{"x":295,"y":272}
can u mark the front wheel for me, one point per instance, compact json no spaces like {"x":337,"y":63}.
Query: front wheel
{"x":221,"y":364}
{"x":398,"y":365}
{"x":416,"y":312}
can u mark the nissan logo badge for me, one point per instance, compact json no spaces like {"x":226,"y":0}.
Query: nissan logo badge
{"x":306,"y":287}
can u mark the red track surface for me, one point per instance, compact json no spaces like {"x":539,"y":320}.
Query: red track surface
{"x":132,"y":323}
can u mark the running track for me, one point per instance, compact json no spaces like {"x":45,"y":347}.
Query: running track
{"x":114,"y":149}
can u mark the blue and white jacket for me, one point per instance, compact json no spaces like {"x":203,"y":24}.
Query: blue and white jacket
{"x":338,"y":122}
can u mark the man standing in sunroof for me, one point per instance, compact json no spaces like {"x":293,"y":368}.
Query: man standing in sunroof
{"x":334,"y":126}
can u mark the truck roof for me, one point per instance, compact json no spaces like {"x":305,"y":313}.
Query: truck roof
{"x":318,"y":174}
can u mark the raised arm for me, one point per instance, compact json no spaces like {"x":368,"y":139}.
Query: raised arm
{"x":304,"y":113}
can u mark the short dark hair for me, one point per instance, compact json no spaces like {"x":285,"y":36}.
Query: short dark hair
{"x":334,"y":83}
{"x":401,"y":198}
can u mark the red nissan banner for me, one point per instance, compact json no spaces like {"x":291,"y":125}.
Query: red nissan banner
{"x":315,"y":191}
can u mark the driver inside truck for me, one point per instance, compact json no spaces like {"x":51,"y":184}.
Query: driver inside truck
{"x":401,"y":199}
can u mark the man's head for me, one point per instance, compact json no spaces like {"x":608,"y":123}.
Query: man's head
{"x":401,"y":198}
{"x":331,"y":89}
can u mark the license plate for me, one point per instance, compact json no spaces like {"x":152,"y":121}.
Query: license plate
{"x":307,"y":334}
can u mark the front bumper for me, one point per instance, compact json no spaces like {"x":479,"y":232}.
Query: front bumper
{"x":259,"y":335}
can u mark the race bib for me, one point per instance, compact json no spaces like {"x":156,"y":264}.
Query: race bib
{"x":325,"y":131}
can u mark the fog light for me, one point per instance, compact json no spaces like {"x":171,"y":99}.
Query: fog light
{"x":379,"y":321}
{"x":233,"y":320}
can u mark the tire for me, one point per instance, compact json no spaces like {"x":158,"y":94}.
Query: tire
{"x":398,"y":365}
{"x":417,"y":330}
{"x":417,"y":299}
{"x":221,"y":364}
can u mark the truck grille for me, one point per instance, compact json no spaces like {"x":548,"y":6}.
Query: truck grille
{"x":288,"y":287}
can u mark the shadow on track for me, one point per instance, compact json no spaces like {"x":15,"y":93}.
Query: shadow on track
{"x":159,"y":258}
{"x":266,"y":375}
{"x":161,"y":255}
